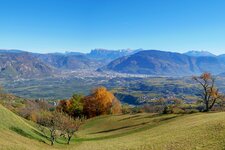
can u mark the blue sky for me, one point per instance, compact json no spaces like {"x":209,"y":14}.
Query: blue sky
{"x":82,"y":25}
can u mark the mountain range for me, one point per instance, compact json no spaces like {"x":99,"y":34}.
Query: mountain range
{"x":155,"y":62}
{"x":22,"y":64}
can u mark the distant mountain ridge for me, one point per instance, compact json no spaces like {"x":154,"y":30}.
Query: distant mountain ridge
{"x":111,"y":54}
{"x":70,"y":62}
{"x":25,"y":65}
{"x":195,"y":53}
{"x":8,"y":51}
{"x":22,"y":64}
{"x":19,"y":63}
{"x":155,"y":62}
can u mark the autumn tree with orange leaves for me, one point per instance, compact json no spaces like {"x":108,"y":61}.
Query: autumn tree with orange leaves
{"x":101,"y":102}
{"x":73,"y":106}
{"x":210,"y":93}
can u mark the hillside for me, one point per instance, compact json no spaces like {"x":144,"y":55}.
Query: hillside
{"x":155,"y":62}
{"x":22,"y":65}
{"x":69,"y":61}
{"x":153,"y":132}
{"x":15,"y":133}
{"x":139,"y":131}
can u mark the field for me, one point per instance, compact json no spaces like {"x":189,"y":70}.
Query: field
{"x":123,"y":132}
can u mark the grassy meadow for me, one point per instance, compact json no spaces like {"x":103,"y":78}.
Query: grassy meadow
{"x":122,"y":132}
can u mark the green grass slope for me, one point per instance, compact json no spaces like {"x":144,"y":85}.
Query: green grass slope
{"x":17,"y":133}
{"x":124,"y":132}
{"x":155,"y":132}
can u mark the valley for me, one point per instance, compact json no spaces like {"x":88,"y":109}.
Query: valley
{"x":112,"y":75}
{"x":59,"y":75}
{"x":131,"y":89}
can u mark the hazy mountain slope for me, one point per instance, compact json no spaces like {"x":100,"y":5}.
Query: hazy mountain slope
{"x":8,"y":51}
{"x":113,"y":54}
{"x":156,"y":62}
{"x":75,"y":60}
{"x":20,"y":64}
{"x":23,"y":65}
{"x":199,"y":54}
{"x":210,"y":64}
{"x":70,"y":61}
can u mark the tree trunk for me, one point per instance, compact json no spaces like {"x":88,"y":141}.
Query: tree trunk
{"x":69,"y":138}
{"x":206,"y":106}
{"x":52,"y":139}
{"x":52,"y":142}
{"x":210,"y":107}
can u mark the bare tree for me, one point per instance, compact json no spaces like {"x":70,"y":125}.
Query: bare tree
{"x":210,"y":94}
{"x":69,"y":126}
{"x":52,"y":122}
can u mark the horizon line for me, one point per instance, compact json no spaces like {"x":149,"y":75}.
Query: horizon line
{"x":128,"y":49}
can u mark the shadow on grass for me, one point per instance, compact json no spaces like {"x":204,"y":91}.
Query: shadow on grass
{"x":146,"y":126}
{"x":135,"y":116}
{"x":164,"y":119}
{"x":25,"y":134}
{"x":154,"y":115}
{"x":149,"y":116}
{"x":61,"y":141}
{"x":125,"y":127}
{"x":40,"y":134}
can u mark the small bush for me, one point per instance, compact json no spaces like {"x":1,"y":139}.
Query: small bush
{"x":177,"y":110}
{"x":126,"y":109}
{"x":167,"y":110}
{"x":136,"y":110}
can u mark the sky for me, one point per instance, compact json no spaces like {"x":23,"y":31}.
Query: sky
{"x":81,"y":25}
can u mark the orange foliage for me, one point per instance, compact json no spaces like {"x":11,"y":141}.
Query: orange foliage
{"x":100,"y":102}
{"x":33,"y":116}
{"x":63,"y":106}
{"x":206,"y":76}
{"x":116,"y":106}
{"x":72,"y":107}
